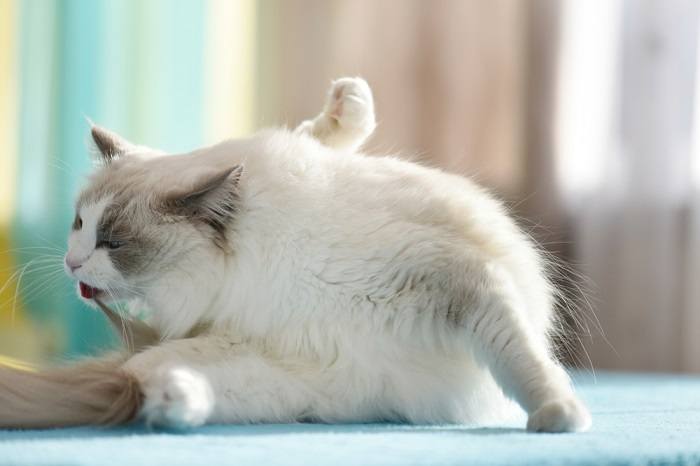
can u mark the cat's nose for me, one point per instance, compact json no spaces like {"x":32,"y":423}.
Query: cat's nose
{"x":72,"y":263}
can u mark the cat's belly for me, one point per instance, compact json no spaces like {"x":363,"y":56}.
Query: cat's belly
{"x":427,"y":389}
{"x":368,"y":378}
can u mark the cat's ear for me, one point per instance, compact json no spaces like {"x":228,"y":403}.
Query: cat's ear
{"x":213,"y":199}
{"x":109,"y":145}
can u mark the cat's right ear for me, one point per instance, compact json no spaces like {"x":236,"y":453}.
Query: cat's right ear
{"x":110,"y":145}
{"x":211,"y":199}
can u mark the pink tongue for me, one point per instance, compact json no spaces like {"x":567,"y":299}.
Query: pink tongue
{"x":86,"y":291}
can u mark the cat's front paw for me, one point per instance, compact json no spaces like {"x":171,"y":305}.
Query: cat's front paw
{"x":350,"y":104}
{"x":560,"y":415}
{"x":177,"y":397}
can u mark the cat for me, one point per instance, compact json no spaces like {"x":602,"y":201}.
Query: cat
{"x":288,"y":277}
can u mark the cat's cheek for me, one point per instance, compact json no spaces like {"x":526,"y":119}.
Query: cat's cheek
{"x":98,"y":272}
{"x":102,"y":268}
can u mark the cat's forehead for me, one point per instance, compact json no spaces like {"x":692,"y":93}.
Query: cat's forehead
{"x":116,"y":183}
{"x":92,"y":212}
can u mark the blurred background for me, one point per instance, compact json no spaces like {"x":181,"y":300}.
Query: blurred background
{"x":582,"y":116}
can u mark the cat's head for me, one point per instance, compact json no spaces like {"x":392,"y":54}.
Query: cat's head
{"x":141,"y":217}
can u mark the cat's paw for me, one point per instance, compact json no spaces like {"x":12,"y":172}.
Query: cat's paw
{"x":347,"y":118}
{"x":177,"y":397}
{"x":350,"y":105}
{"x":560,"y":415}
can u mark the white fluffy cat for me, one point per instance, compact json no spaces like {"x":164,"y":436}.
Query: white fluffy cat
{"x":287,"y":277}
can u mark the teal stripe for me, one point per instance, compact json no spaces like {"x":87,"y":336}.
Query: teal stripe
{"x":35,"y":202}
{"x":118,"y":67}
{"x":169,"y":63}
{"x":79,"y":79}
{"x":132,"y":65}
{"x":37,"y":32}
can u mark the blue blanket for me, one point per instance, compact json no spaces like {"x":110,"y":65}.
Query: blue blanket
{"x":638,"y":419}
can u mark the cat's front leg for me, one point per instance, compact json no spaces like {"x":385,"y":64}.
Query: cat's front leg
{"x":347,"y":118}
{"x":191,"y":382}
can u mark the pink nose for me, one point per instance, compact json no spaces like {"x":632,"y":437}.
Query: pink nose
{"x":73,"y":264}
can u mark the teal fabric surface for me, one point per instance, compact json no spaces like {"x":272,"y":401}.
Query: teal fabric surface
{"x":638,"y":419}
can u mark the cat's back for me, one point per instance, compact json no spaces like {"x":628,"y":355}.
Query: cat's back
{"x":347,"y":217}
{"x":367,"y":196}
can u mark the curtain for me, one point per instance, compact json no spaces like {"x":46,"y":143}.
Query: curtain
{"x":629,"y":183}
{"x":447,"y":75}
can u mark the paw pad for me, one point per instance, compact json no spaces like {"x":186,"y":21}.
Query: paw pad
{"x":350,"y":103}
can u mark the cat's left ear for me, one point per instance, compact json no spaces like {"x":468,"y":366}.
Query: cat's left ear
{"x":109,"y":144}
{"x":213,"y":200}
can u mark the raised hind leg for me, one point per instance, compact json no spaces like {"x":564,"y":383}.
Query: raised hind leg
{"x":347,"y":118}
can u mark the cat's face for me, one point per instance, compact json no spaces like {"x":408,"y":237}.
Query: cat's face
{"x":133,"y":225}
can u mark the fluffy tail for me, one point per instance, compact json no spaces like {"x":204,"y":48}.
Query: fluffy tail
{"x":93,"y":392}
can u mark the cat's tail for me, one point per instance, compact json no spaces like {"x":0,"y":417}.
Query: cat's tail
{"x":92,"y":392}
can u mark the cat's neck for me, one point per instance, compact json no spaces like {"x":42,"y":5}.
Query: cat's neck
{"x":183,"y":301}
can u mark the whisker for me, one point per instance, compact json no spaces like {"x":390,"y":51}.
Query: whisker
{"x":127,"y":336}
{"x":24,"y":271}
{"x":18,"y":271}
{"x":14,"y":303}
{"x":32,"y":248}
{"x":47,"y":287}
{"x":49,"y":242}
{"x":52,"y":263}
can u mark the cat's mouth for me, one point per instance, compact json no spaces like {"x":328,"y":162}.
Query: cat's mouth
{"x":87,"y":291}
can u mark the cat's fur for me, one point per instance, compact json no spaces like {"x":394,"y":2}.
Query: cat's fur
{"x":287,"y":277}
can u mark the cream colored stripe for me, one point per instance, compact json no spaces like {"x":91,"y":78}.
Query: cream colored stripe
{"x":9,"y":91}
{"x":229,"y":60}
{"x":6,"y":361}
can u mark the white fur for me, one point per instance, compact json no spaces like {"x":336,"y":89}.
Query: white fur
{"x":95,"y":267}
{"x":81,"y":244}
{"x":177,"y":397}
{"x":334,"y":303}
{"x":347,"y":118}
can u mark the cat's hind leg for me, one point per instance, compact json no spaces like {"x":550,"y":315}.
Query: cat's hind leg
{"x":518,"y":357}
{"x":347,"y":119}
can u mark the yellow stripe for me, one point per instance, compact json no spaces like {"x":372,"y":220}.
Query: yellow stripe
{"x":8,"y":145}
{"x":8,"y":111}
{"x":15,"y":364}
{"x":229,"y":62}
{"x":17,"y":335}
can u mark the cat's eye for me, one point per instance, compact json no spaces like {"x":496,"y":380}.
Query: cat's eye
{"x":111,"y":244}
{"x":77,"y":223}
